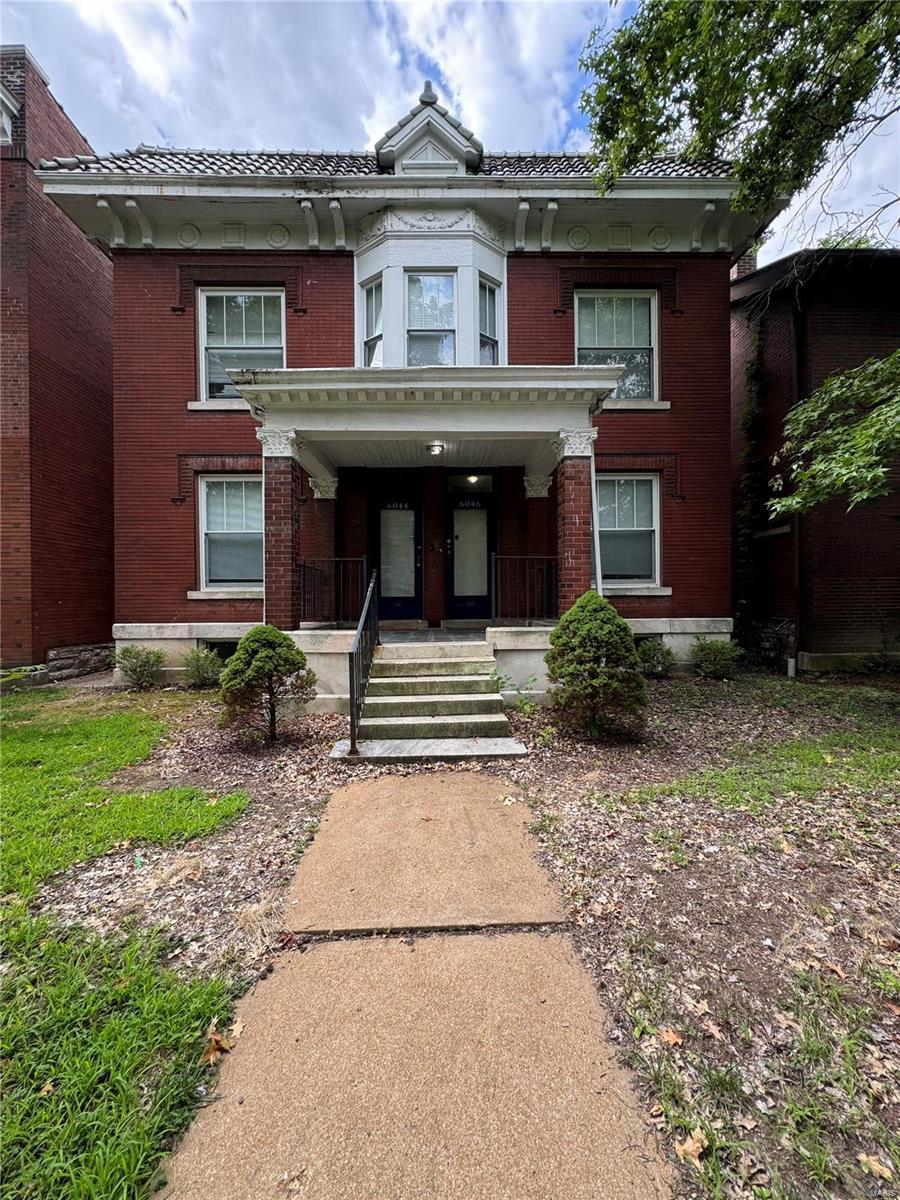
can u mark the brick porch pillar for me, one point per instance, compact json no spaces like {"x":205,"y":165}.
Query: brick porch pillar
{"x":573,"y":514}
{"x":281,"y":525}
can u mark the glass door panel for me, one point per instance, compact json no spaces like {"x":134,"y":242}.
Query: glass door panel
{"x":398,"y":552}
{"x":470,"y":552}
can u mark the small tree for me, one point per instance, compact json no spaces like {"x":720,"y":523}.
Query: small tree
{"x":596,"y":671}
{"x":266,"y":671}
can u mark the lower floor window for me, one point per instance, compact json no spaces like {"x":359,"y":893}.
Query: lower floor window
{"x":629,"y":528}
{"x":231,"y":531}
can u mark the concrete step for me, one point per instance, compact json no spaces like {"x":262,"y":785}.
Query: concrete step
{"x":433,"y":706}
{"x":381,"y":667}
{"x":431,"y":685}
{"x":473,"y":649}
{"x":430,"y":749}
{"x":459,"y":726}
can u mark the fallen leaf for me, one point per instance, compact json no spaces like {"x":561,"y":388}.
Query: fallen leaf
{"x":713,"y":1028}
{"x":47,"y":1088}
{"x":836,"y":969}
{"x":742,"y":1121}
{"x":235,"y":1031}
{"x":216,"y":1046}
{"x":874,"y":1166}
{"x":692,"y":1147}
{"x":893,"y":1008}
{"x":671,"y":1037}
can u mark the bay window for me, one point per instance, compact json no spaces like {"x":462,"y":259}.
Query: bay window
{"x":374,"y":336}
{"x":628,"y":508}
{"x":619,"y":327}
{"x":430,"y":320}
{"x":231,"y":531}
{"x":239,"y":329}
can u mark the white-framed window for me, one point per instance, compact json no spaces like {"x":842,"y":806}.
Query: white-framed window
{"x":430,"y":319}
{"x":240,"y":328}
{"x":373,"y":342}
{"x":488,"y":341}
{"x":620,"y":327}
{"x":628,"y":509}
{"x":231,"y":531}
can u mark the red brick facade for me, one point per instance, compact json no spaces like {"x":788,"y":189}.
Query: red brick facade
{"x":573,"y":524}
{"x":56,"y":382}
{"x":833,"y":576}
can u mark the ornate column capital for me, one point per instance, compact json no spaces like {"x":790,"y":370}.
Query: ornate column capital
{"x":324,"y":487}
{"x":537,"y":487}
{"x":575,"y":443}
{"x":279,"y":443}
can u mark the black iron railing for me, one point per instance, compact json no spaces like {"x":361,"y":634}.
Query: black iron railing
{"x":362,"y":652}
{"x":524,"y":587}
{"x":331,"y":589}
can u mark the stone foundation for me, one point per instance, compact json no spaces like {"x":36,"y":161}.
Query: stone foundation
{"x":68,"y":662}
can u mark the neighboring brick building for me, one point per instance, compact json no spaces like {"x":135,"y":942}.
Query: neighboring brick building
{"x":56,"y":490}
{"x":465,"y":370}
{"x":822,"y":588}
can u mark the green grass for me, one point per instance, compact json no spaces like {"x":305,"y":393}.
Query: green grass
{"x":100,"y":1042}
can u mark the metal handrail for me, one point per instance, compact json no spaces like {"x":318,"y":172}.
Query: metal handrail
{"x":362,"y":651}
{"x":524,"y":587}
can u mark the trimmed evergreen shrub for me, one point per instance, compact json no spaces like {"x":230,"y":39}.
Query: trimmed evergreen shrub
{"x":594,"y":670}
{"x":265,"y":672}
{"x":715,"y":660}
{"x":657,"y":660}
{"x":141,"y":666}
{"x":202,"y":668}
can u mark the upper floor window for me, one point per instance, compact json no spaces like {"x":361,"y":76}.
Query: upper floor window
{"x":374,"y":339}
{"x":628,"y":507}
{"x":489,"y":346}
{"x":231,"y":531}
{"x":619,"y":327}
{"x":239,"y":330}
{"x":430,"y":320}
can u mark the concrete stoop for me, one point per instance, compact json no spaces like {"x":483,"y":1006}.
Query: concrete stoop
{"x":433,"y":701}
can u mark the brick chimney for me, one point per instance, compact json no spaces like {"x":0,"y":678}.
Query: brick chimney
{"x":744,"y":265}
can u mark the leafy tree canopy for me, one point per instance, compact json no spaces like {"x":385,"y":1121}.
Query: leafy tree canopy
{"x":842,"y":440}
{"x":773,"y":84}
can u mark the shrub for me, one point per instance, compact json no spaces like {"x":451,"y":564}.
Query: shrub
{"x":715,"y":660}
{"x":657,"y":660}
{"x":596,"y":671}
{"x":141,"y":666}
{"x":266,"y":671}
{"x":202,"y":668}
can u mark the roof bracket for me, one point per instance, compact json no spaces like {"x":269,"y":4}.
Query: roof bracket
{"x":521,"y":218}
{"x":312,"y":224}
{"x":337,"y":216}
{"x":700,"y":225}
{"x":547,"y":224}
{"x":115,"y":224}
{"x":143,"y":220}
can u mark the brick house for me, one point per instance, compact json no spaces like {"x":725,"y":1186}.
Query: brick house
{"x":56,"y":473}
{"x":461,"y":369}
{"x":823,"y":588}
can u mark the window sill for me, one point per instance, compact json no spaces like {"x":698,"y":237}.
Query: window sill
{"x":643,"y":405}
{"x":634,"y":589}
{"x":227,"y":594}
{"x":229,"y":404}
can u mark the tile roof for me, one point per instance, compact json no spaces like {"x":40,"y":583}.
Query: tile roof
{"x":164,"y":160}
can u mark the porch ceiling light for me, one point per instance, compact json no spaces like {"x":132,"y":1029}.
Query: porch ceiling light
{"x":472,"y":478}
{"x":435,"y":448}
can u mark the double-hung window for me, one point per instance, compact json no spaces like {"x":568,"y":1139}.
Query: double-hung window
{"x":374,"y":339}
{"x":430,"y":320}
{"x":629,"y":528}
{"x":231,"y":531}
{"x":488,"y":346}
{"x":620,"y":327}
{"x":239,"y":330}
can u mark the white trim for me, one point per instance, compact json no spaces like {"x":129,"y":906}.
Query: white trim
{"x":228,"y":404}
{"x":481,"y":278}
{"x":652,"y":295}
{"x":250,"y":290}
{"x":636,"y":586}
{"x":224,"y":591}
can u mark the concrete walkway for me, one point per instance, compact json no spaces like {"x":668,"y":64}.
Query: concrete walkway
{"x":470,"y":1065}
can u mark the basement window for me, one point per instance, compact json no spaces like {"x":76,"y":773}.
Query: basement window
{"x":620,"y":327}
{"x":239,"y":330}
{"x":231,"y":531}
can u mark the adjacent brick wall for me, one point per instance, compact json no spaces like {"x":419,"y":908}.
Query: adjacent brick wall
{"x":56,"y":376}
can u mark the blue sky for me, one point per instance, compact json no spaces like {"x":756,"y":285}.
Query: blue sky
{"x":335,"y":74}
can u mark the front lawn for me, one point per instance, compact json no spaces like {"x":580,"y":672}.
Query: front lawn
{"x":101,"y":1043}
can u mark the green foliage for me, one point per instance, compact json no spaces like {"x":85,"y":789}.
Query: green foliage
{"x":265,"y":672}
{"x":849,"y":240}
{"x":842,"y":440}
{"x":593,"y":663}
{"x":142,"y":667}
{"x":202,"y":668}
{"x":657,"y":660}
{"x":774,"y":84}
{"x":715,"y":660}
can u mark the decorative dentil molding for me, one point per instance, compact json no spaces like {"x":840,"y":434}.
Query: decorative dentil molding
{"x":324,"y":487}
{"x":537,"y":487}
{"x":575,"y":443}
{"x":278,"y":443}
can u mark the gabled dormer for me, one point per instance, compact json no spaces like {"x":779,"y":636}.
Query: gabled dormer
{"x":429,"y":141}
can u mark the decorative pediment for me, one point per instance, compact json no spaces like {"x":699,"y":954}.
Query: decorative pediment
{"x":414,"y":221}
{"x":429,"y":141}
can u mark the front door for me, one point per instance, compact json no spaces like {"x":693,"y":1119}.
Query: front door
{"x":469,"y":545}
{"x":398,"y":538}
